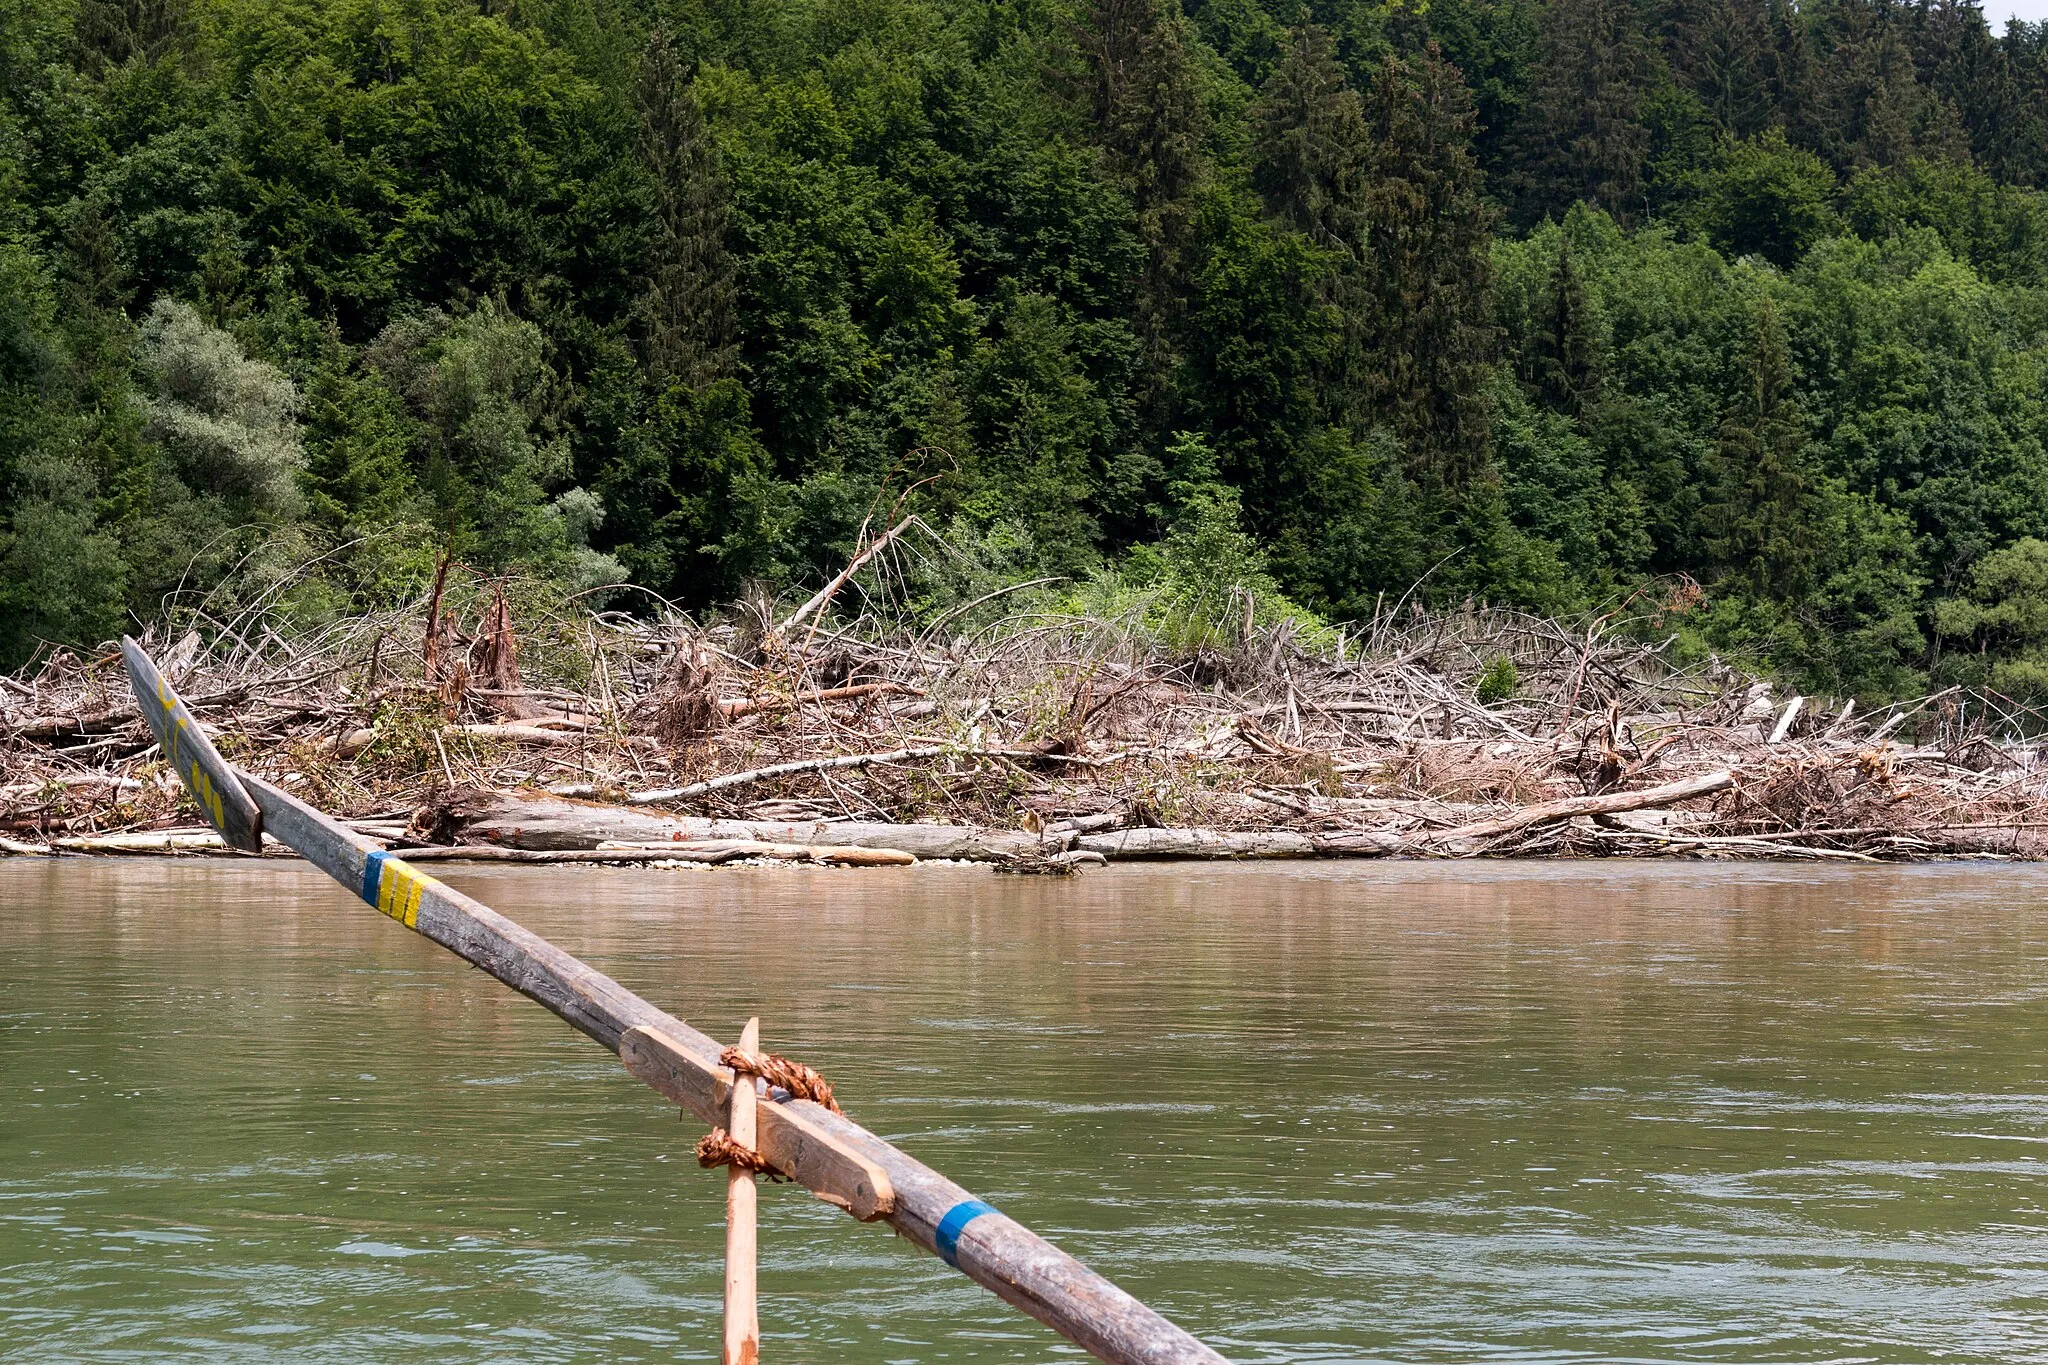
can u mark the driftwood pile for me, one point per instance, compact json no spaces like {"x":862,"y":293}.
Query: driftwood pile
{"x":1037,"y":741}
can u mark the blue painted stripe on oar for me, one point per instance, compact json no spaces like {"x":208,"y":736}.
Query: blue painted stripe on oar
{"x":946,"y":1241}
{"x":373,"y":875}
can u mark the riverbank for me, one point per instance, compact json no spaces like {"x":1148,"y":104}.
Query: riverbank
{"x":1036,"y":743}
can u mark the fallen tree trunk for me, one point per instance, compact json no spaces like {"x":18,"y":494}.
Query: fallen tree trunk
{"x":691,"y":851}
{"x":1134,"y":844}
{"x":1966,"y":841}
{"x":1140,"y":845}
{"x":803,"y":765}
{"x":747,"y":706}
{"x":1607,"y":803}
{"x":546,"y":823}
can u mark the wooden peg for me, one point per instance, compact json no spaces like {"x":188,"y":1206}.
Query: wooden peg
{"x":742,"y":1312}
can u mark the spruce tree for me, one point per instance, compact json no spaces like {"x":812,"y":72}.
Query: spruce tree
{"x":1792,"y":76}
{"x":1425,"y":270}
{"x":1150,"y":125}
{"x":1959,"y":61}
{"x":1759,"y":529}
{"x":113,"y":33}
{"x":2025,"y":49}
{"x":1310,"y":153}
{"x":1719,"y":49}
{"x":686,"y":315}
{"x":1581,"y":135}
{"x":1309,"y":142}
{"x":1874,"y":110}
{"x":1562,"y":353}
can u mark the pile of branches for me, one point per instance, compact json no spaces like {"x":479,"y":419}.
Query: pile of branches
{"x":1471,"y":731}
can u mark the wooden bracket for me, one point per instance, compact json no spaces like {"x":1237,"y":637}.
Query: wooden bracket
{"x":788,"y":1138}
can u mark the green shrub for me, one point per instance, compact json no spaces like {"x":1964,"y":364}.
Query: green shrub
{"x":1499,"y":681}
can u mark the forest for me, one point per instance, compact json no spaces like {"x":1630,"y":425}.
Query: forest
{"x":1725,"y":319}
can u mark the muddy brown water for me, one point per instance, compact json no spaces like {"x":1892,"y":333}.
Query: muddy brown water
{"x":1338,"y":1112}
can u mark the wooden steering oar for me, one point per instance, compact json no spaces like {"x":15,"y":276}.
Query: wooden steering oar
{"x":829,"y":1154}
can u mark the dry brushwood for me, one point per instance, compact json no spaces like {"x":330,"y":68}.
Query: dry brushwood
{"x":1015,"y":739}
{"x":686,"y":703}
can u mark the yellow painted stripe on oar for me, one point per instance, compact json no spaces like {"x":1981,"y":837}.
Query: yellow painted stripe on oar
{"x":181,"y":755}
{"x":394,"y":887}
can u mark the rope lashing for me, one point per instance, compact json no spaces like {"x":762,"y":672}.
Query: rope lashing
{"x":799,"y":1080}
{"x":717,"y":1148}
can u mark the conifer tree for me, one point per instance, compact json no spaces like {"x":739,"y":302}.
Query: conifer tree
{"x":1760,"y":518}
{"x":1309,"y":142}
{"x":1959,"y":61}
{"x":1719,"y":49}
{"x":1425,"y":269}
{"x":686,"y":315}
{"x":112,"y":33}
{"x":1150,"y":125}
{"x":1310,"y":154}
{"x":1581,"y":136}
{"x":2025,"y":50}
{"x":1562,"y":355}
{"x":1791,"y":75}
{"x":1874,"y":111}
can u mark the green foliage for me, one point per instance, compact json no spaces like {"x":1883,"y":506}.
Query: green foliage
{"x":1999,"y":622}
{"x":1191,"y":306}
{"x":1207,"y":580}
{"x":483,"y":397}
{"x":1581,"y":136}
{"x":1765,"y":198}
{"x":2002,"y":230}
{"x":1498,"y":681}
{"x":228,"y":425}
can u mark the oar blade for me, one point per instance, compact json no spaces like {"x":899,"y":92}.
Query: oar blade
{"x":205,"y":773}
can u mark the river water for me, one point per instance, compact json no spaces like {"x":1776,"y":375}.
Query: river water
{"x":1336,"y":1112}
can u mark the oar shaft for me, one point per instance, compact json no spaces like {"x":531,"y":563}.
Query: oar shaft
{"x":840,"y":1160}
{"x":835,"y":1158}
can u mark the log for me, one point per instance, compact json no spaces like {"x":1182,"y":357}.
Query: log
{"x":1366,"y":843}
{"x":523,"y":734}
{"x":774,"y":770}
{"x":1132,"y":844}
{"x":1960,"y":840}
{"x":726,"y":850}
{"x":1784,"y":725}
{"x":1087,"y":824}
{"x":1136,"y":845}
{"x":528,"y":820}
{"x":746,"y":706}
{"x":152,"y":841}
{"x":34,"y":791}
{"x":1607,"y":803}
{"x":76,"y":726}
{"x":692,"y":851}
{"x":521,"y":822}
